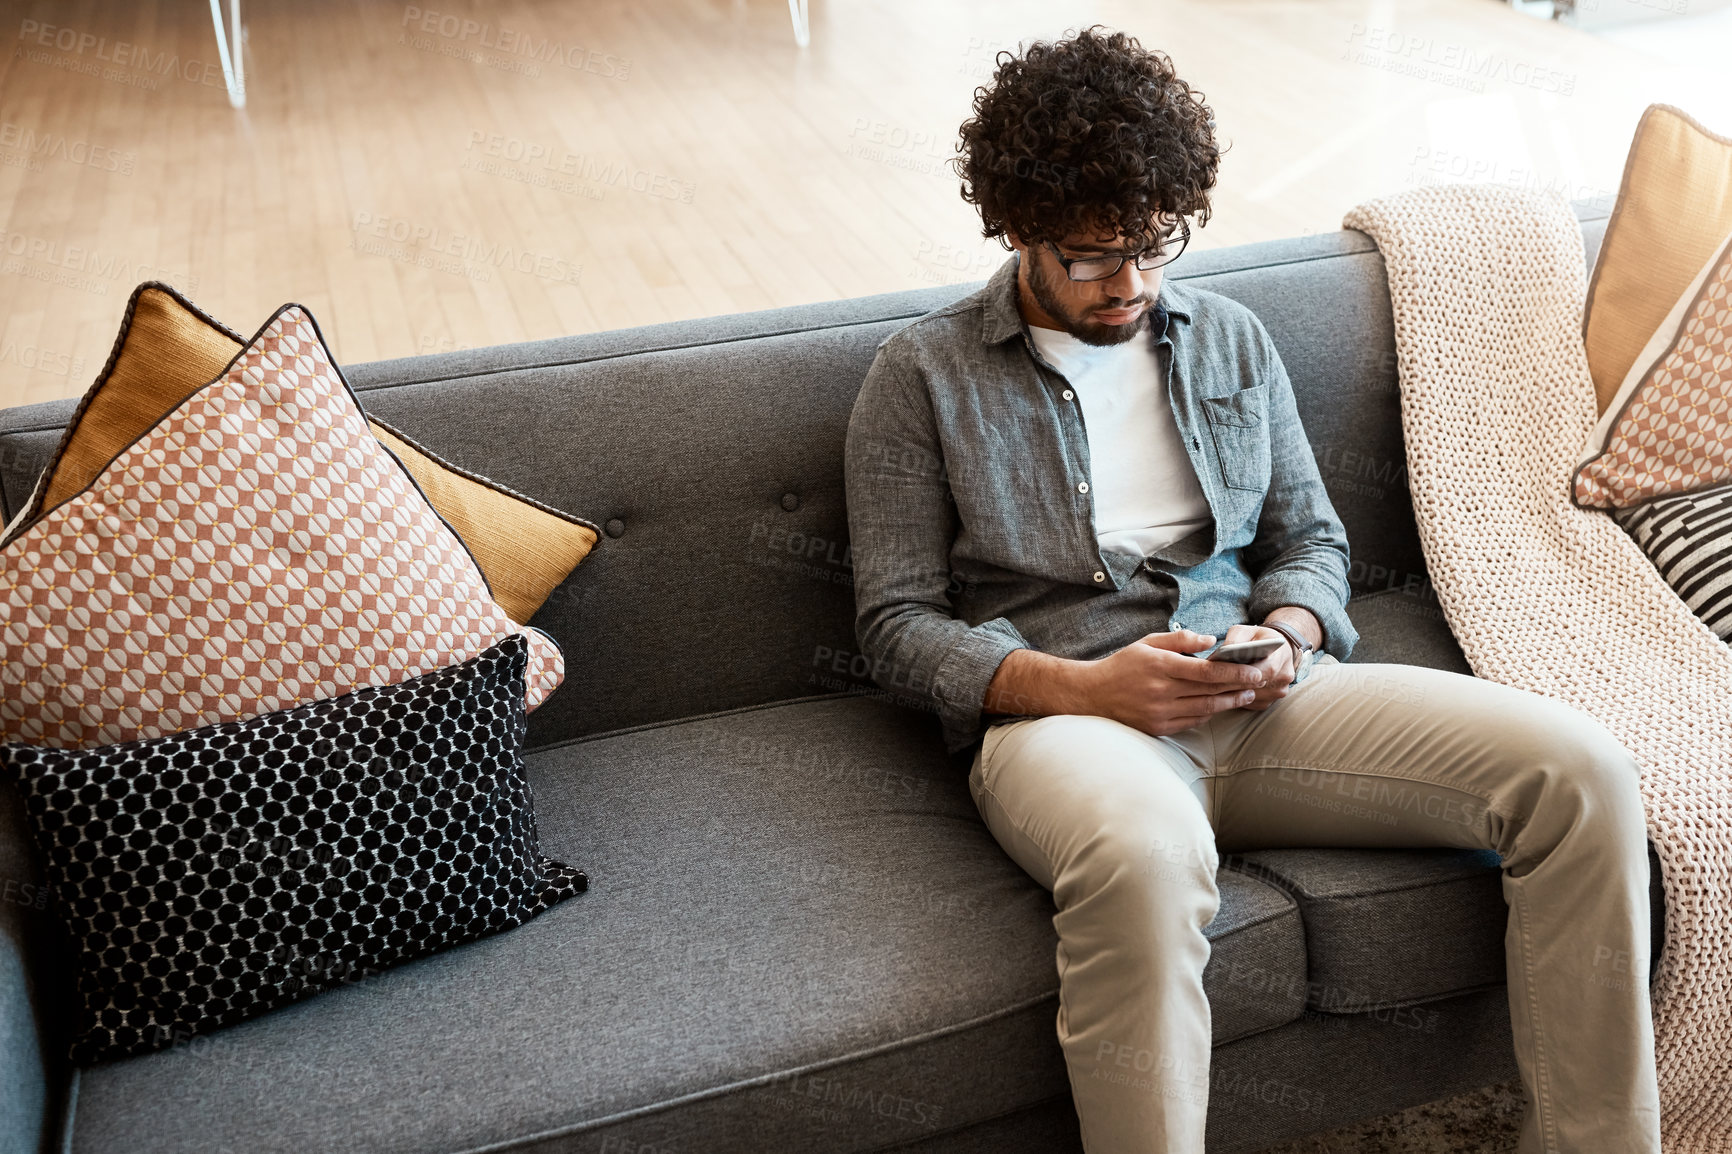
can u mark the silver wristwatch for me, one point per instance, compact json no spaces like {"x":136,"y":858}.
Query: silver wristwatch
{"x":1303,"y":651}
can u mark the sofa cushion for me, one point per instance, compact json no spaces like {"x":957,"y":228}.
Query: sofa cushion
{"x":1405,"y":626}
{"x":524,"y":548}
{"x":1395,"y":927}
{"x":798,"y":935}
{"x":1688,"y":537}
{"x":1674,"y":207}
{"x":258,"y":547}
{"x":168,"y":348}
{"x":1390,"y":927}
{"x":1665,"y":431}
{"x":212,"y":875}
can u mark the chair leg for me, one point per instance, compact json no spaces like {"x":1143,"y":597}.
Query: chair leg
{"x":234,"y":76}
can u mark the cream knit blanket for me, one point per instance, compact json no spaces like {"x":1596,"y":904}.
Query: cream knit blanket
{"x":1488,"y":285}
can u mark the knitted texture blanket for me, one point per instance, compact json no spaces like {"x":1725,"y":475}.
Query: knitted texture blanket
{"x":1488,"y":285}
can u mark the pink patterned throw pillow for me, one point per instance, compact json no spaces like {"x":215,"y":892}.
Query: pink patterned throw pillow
{"x":256,"y":549}
{"x":1669,"y":428}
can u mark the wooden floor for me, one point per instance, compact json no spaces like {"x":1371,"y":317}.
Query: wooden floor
{"x":427,"y":178}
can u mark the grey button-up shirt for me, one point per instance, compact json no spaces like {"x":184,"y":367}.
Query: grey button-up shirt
{"x":972,"y":526}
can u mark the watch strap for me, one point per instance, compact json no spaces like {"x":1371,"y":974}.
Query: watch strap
{"x":1302,"y":648}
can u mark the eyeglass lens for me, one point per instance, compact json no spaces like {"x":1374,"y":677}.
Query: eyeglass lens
{"x":1100,"y":268}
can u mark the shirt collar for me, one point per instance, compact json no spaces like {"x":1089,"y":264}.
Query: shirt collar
{"x":1003,"y":319}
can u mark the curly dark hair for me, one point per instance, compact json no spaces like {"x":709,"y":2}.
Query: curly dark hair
{"x":1093,"y":134}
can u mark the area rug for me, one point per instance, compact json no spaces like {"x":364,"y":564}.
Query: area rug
{"x":1483,"y":1121}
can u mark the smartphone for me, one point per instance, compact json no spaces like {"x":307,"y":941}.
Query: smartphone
{"x":1246,"y":652}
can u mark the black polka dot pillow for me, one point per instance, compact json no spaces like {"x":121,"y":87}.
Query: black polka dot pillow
{"x":208,"y":876}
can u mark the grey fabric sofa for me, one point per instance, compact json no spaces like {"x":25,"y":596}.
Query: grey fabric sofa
{"x":799,"y":936}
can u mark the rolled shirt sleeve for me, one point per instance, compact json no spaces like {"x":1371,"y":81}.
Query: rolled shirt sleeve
{"x":902,"y":522}
{"x":1300,"y":555}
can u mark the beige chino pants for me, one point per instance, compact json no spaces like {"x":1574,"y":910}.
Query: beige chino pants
{"x":1125,"y":830}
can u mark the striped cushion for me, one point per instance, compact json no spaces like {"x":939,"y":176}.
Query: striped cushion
{"x":1689,"y":539}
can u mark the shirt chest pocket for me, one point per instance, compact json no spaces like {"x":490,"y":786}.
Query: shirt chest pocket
{"x":1240,"y":426}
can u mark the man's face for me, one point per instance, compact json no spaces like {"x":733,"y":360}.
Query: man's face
{"x":1102,"y":312}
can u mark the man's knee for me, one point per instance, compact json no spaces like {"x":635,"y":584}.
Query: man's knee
{"x":1584,"y":766}
{"x":1594,"y":752}
{"x":1150,"y":853}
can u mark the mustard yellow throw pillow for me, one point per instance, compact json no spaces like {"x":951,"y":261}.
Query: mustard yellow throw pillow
{"x":168,"y":349}
{"x":1674,"y":209}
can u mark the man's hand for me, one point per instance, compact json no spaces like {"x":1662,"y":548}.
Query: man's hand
{"x":1155,"y":685}
{"x":1277,"y":668}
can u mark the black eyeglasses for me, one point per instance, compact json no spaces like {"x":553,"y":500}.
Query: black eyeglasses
{"x":1089,"y":268}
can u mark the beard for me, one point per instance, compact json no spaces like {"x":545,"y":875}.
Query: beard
{"x":1044,"y":284}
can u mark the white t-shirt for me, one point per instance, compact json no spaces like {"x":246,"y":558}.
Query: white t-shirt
{"x":1146,"y":494}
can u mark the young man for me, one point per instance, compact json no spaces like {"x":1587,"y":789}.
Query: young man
{"x":1062,"y":488}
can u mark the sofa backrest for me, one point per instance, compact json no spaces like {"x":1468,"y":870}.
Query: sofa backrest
{"x":711,"y":450}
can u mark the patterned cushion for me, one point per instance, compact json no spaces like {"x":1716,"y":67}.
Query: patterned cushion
{"x":1669,"y":429}
{"x":209,"y":876}
{"x":255,"y":549}
{"x":525,"y":549}
{"x":168,"y":347}
{"x":1674,"y":205}
{"x":1689,"y":539}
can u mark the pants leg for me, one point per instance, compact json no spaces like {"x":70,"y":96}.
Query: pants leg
{"x":1112,"y":821}
{"x":1397,"y":755}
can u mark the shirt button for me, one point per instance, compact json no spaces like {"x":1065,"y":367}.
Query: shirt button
{"x":1083,"y":488}
{"x":1099,"y":576}
{"x":1068,"y":394}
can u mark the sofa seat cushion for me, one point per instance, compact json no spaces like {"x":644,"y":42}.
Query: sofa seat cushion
{"x":1387,"y":928}
{"x":799,"y":936}
{"x":1390,"y":927}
